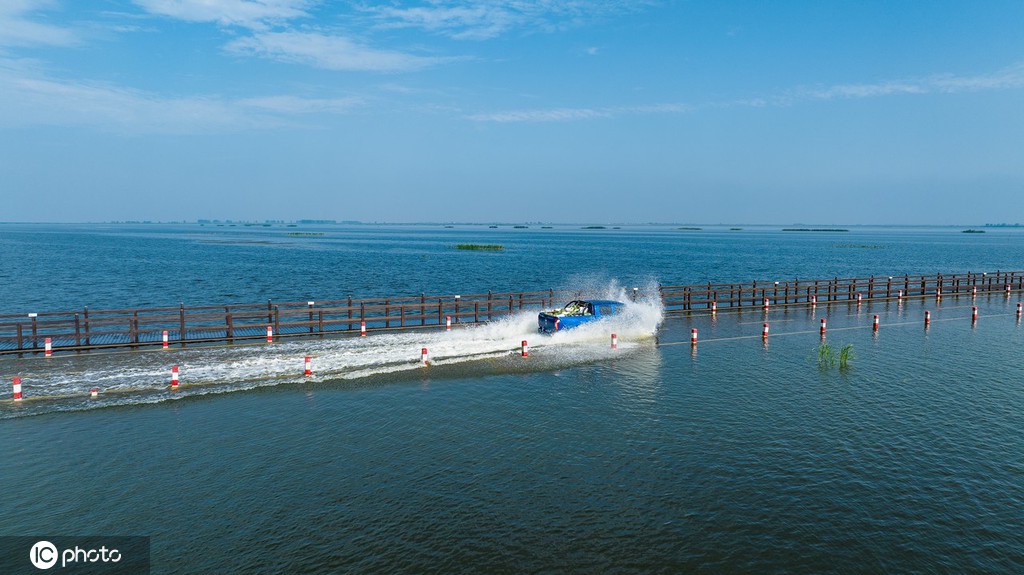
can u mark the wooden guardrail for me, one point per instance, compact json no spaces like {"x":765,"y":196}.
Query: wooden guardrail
{"x":135,"y":328}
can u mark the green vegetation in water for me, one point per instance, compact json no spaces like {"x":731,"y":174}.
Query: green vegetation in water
{"x":973,"y":232}
{"x":815,"y":230}
{"x":690,"y":228}
{"x":305,"y":234}
{"x":828,"y":356}
{"x":480,"y":247}
{"x":860,"y":246}
{"x":593,"y":228}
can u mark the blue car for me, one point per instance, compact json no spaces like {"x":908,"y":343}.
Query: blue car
{"x":576,"y":313}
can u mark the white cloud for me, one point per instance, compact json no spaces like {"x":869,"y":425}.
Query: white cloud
{"x":569,"y":114}
{"x":27,"y":98}
{"x":1010,"y":77}
{"x":482,"y":20}
{"x":297,"y":105}
{"x":467,"y":21}
{"x":327,"y":51}
{"x":256,"y":14}
{"x":18,"y":29}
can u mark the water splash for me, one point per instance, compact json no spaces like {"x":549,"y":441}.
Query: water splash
{"x":63,"y":383}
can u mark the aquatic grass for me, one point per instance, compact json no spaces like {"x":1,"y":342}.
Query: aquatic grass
{"x":480,"y":247}
{"x":845,"y":356}
{"x":828,"y":356}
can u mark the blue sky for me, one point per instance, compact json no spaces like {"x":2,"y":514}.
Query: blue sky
{"x":572,"y":111}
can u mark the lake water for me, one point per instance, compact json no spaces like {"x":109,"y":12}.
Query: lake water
{"x":738,"y":456}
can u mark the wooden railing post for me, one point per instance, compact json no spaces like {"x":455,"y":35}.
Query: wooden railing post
{"x":181,"y":325}
{"x":228,"y":322}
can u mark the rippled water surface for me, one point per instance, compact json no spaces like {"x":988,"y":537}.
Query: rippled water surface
{"x":741,"y":455}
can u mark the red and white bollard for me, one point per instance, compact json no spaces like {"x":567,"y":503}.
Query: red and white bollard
{"x":447,"y":323}
{"x":1007,"y":290}
{"x":94,"y":392}
{"x":424,"y":357}
{"x":362,"y":329}
{"x":974,"y":314}
{"x":693,"y":336}
{"x":714,"y":307}
{"x":814,"y":300}
{"x":764,"y":332}
{"x":938,"y":293}
{"x":858,"y":298}
{"x":1020,"y":309}
{"x":765,"y":304}
{"x":309,"y":366}
{"x":48,"y":347}
{"x":165,"y":339}
{"x":822,"y":327}
{"x":174,"y":377}
{"x":16,"y":382}
{"x":899,"y":295}
{"x":927,"y":317}
{"x":974,"y":292}
{"x":526,"y":349}
{"x":874,"y":326}
{"x":270,"y":334}
{"x":615,"y":341}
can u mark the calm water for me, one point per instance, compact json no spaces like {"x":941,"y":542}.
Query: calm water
{"x":739,"y":457}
